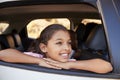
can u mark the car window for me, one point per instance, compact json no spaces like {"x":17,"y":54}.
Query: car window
{"x":85,"y":21}
{"x":35,"y":26}
{"x":34,"y":18}
{"x":3,"y":27}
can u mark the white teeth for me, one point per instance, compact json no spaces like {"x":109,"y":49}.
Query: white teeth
{"x":64,"y":55}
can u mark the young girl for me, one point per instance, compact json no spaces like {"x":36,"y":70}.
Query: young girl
{"x":54,"y":44}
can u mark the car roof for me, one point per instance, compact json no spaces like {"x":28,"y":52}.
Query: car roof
{"x":6,"y":3}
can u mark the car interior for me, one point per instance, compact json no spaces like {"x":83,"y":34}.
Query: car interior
{"x":90,"y":35}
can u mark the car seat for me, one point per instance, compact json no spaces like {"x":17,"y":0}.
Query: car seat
{"x":96,"y":41}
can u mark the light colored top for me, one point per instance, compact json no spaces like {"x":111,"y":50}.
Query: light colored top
{"x":34,"y":54}
{"x":40,"y":55}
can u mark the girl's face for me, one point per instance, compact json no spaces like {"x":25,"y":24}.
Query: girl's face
{"x":59,"y":46}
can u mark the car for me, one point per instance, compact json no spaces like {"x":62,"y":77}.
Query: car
{"x":17,"y":17}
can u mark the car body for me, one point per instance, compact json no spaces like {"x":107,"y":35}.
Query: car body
{"x":19,"y":13}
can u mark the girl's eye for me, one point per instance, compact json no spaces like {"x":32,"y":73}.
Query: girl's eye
{"x":70,"y":42}
{"x":59,"y":43}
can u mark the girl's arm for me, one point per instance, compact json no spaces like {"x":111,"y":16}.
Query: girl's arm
{"x":93,"y":65}
{"x":15,"y":56}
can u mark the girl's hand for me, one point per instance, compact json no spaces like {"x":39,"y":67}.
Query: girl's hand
{"x":44,"y":63}
{"x":62,"y":65}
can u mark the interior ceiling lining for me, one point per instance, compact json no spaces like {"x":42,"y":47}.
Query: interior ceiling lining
{"x":48,"y":8}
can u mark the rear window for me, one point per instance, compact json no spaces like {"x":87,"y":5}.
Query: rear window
{"x":35,"y":26}
{"x":86,"y":21}
{"x":3,"y":27}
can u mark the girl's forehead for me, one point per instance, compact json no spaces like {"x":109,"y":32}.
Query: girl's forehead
{"x":61,"y":33}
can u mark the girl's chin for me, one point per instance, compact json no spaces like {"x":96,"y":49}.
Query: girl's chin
{"x":64,"y":60}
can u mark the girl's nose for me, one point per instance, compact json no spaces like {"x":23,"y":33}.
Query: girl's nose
{"x":67,"y":47}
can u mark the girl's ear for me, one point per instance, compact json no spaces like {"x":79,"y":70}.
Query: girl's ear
{"x":43,"y":47}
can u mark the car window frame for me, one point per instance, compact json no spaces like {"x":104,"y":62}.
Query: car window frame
{"x":112,"y":40}
{"x":82,"y":73}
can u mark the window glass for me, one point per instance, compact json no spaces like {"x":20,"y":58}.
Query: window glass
{"x":3,"y":26}
{"x":35,"y":27}
{"x":85,"y":21}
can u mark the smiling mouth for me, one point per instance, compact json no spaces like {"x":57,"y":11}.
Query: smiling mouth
{"x":65,"y":55}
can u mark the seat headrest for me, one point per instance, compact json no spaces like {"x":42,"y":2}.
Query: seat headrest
{"x":96,"y":39}
{"x":10,"y":41}
{"x":17,"y":40}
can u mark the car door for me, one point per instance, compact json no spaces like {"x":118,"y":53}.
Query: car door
{"x":110,"y":19}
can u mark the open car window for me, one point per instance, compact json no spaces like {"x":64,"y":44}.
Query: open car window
{"x":29,"y":19}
